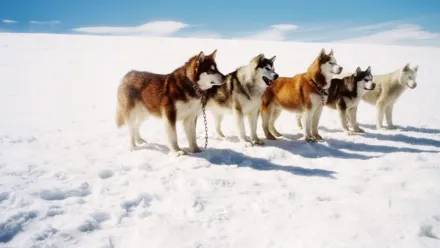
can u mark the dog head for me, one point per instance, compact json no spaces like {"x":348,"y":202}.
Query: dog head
{"x":328,"y":67}
{"x":408,"y":76}
{"x":364,"y":80}
{"x":264,"y":70}
{"x":205,"y":71}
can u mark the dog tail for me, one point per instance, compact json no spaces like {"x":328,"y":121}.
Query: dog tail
{"x":120,"y":119}
{"x":123,"y":106}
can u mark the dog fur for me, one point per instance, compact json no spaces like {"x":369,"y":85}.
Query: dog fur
{"x":171,"y":97}
{"x":241,"y":95}
{"x":389,"y":87}
{"x":345,"y":94}
{"x":303,"y":93}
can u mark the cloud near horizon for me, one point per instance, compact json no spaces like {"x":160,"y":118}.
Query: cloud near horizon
{"x":389,"y":33}
{"x":277,"y":32}
{"x":7,"y":21}
{"x":156,"y":28}
{"x":45,"y":22}
{"x":398,"y":34}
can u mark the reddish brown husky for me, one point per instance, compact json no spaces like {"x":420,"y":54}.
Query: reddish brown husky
{"x":304,"y":93}
{"x":171,"y":97}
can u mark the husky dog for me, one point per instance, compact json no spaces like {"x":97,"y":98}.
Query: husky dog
{"x":170,"y":97}
{"x":241,"y":95}
{"x":345,"y":94}
{"x":304,"y":93}
{"x":389,"y":87}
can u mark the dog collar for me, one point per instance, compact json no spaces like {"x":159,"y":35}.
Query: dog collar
{"x":322,"y":92}
{"x":320,"y":89}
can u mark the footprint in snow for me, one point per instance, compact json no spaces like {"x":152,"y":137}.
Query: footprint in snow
{"x":57,"y":194}
{"x":426,"y":231}
{"x":104,"y":174}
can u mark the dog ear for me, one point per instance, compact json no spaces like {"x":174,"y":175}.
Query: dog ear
{"x":416,"y":68}
{"x":358,"y":70}
{"x":322,"y":53}
{"x":331,"y":53}
{"x":212,"y":55}
{"x":406,"y":68}
{"x":255,"y":61}
{"x":273,"y":59}
{"x":368,"y":70}
{"x":201,"y":57}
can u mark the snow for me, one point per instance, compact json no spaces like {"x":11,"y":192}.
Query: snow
{"x":68,"y":179}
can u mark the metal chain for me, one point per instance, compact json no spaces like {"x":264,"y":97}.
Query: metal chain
{"x":203,"y":101}
{"x":321,"y":93}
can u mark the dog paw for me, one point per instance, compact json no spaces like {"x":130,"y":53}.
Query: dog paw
{"x":309,"y":139}
{"x":178,"y":153}
{"x":392,"y":127}
{"x":220,"y":135}
{"x":359,"y":130}
{"x":247,"y":143}
{"x":270,"y":137}
{"x":276,"y":133}
{"x":141,"y":141}
{"x":317,"y":137}
{"x":257,"y":142}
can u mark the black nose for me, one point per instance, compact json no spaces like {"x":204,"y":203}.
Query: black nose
{"x":275,"y":76}
{"x":341,"y":68}
{"x":373,"y":86}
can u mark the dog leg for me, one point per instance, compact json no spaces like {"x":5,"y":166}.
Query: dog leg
{"x":138,"y":138}
{"x":275,"y":114}
{"x":352,"y":112}
{"x":218,"y":125}
{"x":240,"y":126}
{"x":253,"y":121}
{"x":343,"y":119}
{"x":132,"y":128}
{"x":170,"y":129}
{"x":265,"y":117}
{"x":190,"y":125}
{"x":389,"y":116}
{"x":315,"y":123}
{"x":307,"y":124}
{"x":380,"y":114}
{"x":298,"y":121}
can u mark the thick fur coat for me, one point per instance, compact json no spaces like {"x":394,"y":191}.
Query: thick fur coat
{"x":389,"y":87}
{"x":170,"y":97}
{"x":303,"y":93}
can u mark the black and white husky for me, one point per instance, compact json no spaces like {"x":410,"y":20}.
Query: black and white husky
{"x":345,"y":94}
{"x":241,"y":96}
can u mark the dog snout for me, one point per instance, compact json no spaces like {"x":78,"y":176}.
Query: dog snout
{"x":275,"y":76}
{"x":340,"y":69}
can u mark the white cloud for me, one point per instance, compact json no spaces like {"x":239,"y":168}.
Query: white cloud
{"x":407,"y":34}
{"x":9,"y":21}
{"x":285,"y":27}
{"x":157,"y":28}
{"x":202,"y":35}
{"x":375,"y":26}
{"x":276,"y":32}
{"x":45,"y":22}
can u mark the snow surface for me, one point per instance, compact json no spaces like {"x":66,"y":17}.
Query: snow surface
{"x":67,"y":178}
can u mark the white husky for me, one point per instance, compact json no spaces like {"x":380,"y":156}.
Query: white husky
{"x":389,"y":87}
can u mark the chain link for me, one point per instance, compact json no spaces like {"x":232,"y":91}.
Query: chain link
{"x":203,"y":101}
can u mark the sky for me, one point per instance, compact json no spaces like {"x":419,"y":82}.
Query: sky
{"x":375,"y":21}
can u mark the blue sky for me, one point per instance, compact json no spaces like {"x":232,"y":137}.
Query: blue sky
{"x":373,"y":21}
